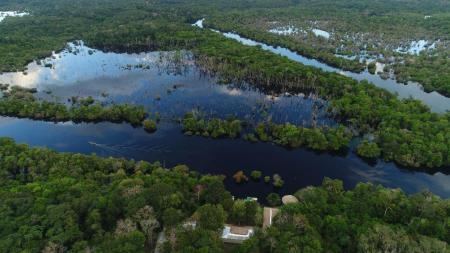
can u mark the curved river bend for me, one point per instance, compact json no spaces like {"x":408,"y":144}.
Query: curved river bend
{"x":437,"y":102}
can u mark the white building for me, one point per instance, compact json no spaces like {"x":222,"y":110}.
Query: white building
{"x":235,"y":234}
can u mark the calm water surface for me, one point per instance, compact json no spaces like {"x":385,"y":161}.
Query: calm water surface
{"x":173,"y":88}
{"x":299,"y":168}
{"x":434,"y":100}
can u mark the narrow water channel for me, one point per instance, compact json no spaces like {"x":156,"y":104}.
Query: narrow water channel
{"x":437,"y":102}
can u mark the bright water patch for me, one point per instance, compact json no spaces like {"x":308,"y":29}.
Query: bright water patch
{"x":78,"y":64}
{"x":4,"y":14}
{"x":286,"y":30}
{"x":321,"y":33}
{"x":415,"y":47}
{"x":434,"y":100}
{"x":166,"y":82}
{"x":199,"y":23}
{"x":379,"y":67}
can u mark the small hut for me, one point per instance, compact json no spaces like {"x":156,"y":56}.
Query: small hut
{"x":289,"y":199}
{"x":236,"y":234}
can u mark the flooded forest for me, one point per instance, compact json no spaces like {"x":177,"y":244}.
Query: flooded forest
{"x":167,"y":126}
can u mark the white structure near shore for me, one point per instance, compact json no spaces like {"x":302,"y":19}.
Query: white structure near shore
{"x":4,"y":14}
{"x":235,"y":234}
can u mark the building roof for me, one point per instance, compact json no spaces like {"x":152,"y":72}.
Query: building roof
{"x":236,"y":234}
{"x":288,"y":199}
{"x":239,"y":230}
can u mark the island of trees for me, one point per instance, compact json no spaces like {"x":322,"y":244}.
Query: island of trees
{"x":195,"y":124}
{"x":286,"y":135}
{"x":20,"y":102}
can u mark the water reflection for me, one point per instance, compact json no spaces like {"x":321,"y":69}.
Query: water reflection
{"x":299,"y":168}
{"x":76,"y":64}
{"x":164,"y":82}
{"x":434,"y":100}
{"x":172,"y":88}
{"x":5,"y":14}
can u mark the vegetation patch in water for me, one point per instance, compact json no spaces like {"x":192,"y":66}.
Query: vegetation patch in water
{"x":149,"y":125}
{"x":194,"y":124}
{"x":405,"y":130}
{"x":225,"y":24}
{"x":372,"y":67}
{"x":377,"y":36}
{"x":401,"y":127}
{"x":240,"y":177}
{"x":278,"y":182}
{"x":20,"y":102}
{"x":326,"y":139}
{"x":368,"y":149}
{"x":286,"y":135}
{"x":256,"y":174}
{"x":292,"y":136}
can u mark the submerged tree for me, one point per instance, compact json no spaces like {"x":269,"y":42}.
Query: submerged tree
{"x":149,"y":125}
{"x":256,"y":174}
{"x":240,"y":177}
{"x":368,"y":149}
{"x":277,"y":181}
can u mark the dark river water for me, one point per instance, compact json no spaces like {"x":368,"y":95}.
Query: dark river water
{"x":172,"y":86}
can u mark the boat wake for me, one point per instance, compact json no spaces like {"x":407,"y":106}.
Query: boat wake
{"x":122,"y":149}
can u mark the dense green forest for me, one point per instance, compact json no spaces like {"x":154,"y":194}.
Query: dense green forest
{"x":361,"y":29}
{"x":71,"y":203}
{"x":20,"y":102}
{"x":63,"y":202}
{"x":286,"y":135}
{"x":406,"y":130}
{"x":229,"y":23}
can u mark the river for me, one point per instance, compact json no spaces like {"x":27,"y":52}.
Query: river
{"x":172,"y":89}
